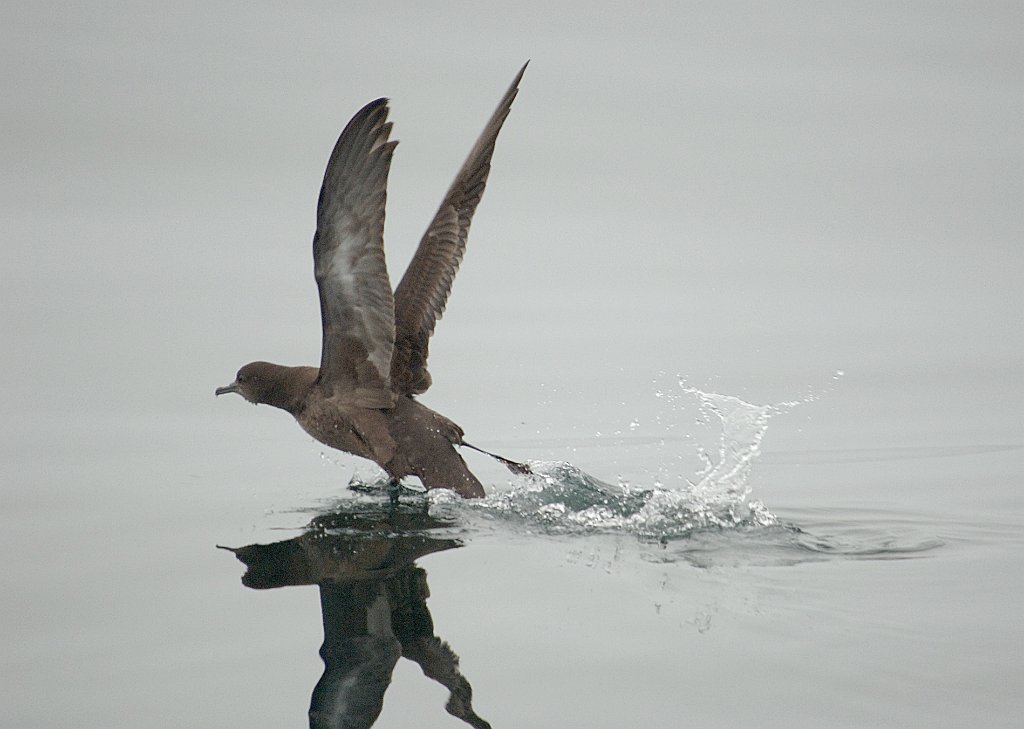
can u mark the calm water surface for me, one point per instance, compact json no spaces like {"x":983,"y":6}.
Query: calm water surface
{"x":864,"y":588}
{"x":744,"y":290}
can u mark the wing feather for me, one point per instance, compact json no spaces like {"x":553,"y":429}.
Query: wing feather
{"x":421,"y":296}
{"x":356,"y":303}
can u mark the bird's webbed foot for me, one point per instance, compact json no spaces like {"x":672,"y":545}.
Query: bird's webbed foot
{"x":394,"y":490}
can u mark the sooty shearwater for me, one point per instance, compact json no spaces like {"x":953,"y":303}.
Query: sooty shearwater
{"x":374,"y":348}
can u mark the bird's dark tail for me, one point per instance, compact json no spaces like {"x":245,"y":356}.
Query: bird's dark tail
{"x":513,"y":466}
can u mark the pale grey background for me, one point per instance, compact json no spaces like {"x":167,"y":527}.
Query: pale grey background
{"x":753,"y":196}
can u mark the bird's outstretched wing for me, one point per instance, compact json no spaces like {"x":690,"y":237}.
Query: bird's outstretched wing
{"x":356,"y":303}
{"x":423,"y":292}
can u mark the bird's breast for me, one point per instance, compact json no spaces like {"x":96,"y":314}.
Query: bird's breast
{"x":332,"y":428}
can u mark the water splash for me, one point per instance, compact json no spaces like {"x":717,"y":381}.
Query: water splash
{"x":701,"y":519}
{"x":561,"y":498}
{"x":558,"y":497}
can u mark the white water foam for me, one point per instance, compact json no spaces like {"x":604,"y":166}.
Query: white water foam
{"x":560,"y":497}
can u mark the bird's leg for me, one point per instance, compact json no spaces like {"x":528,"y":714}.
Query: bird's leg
{"x":513,"y":466}
{"x":394,"y":489}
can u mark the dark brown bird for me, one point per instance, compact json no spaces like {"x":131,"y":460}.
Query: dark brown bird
{"x":373,"y":358}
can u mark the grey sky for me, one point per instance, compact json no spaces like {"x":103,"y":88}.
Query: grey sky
{"x":731,"y":190}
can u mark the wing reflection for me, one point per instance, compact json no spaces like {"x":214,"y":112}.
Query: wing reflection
{"x":374,"y":604}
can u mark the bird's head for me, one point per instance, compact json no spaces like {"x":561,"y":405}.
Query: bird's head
{"x":263,"y":382}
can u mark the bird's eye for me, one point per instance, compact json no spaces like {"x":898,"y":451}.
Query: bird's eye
{"x":241,"y":377}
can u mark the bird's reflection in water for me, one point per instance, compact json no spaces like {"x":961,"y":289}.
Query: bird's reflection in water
{"x":374,"y":604}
